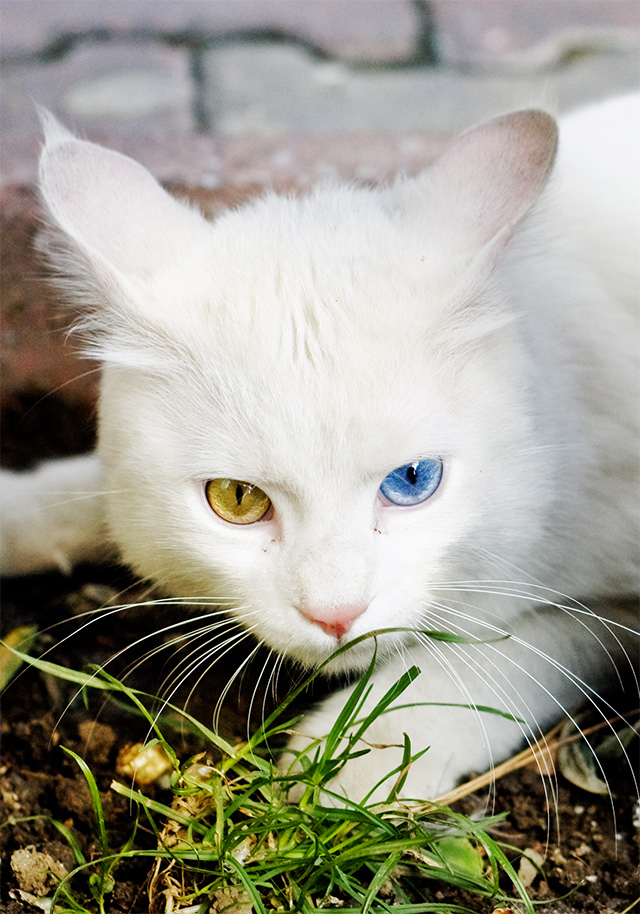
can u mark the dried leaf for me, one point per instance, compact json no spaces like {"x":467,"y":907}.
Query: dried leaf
{"x":231,"y":901}
{"x":22,"y":639}
{"x":460,"y":855}
{"x":530,"y":866}
{"x":577,"y":764}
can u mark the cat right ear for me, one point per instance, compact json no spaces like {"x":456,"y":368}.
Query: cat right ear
{"x":483,"y":185}
{"x":116,"y":220}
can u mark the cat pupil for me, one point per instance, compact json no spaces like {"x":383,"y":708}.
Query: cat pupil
{"x":412,"y":474}
{"x":239,"y":494}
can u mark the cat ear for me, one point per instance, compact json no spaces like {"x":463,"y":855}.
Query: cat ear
{"x":485,"y":183}
{"x":116,"y":215}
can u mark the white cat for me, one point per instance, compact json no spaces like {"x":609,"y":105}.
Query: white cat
{"x":411,"y":407}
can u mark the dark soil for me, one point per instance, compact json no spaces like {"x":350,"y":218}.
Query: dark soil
{"x":43,"y":713}
{"x":588,"y":842}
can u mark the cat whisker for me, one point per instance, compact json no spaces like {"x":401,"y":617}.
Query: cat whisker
{"x":574,"y":609}
{"x":497,"y":690}
{"x":504,"y":632}
{"x":440,"y":656}
{"x":589,"y":693}
{"x":170,"y":687}
{"x":180,"y":641}
{"x":97,"y":370}
{"x":441,"y":618}
{"x":531,"y":587}
{"x":254,"y":693}
{"x":203,"y":654}
{"x":99,"y":614}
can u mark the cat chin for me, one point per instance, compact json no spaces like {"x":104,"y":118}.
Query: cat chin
{"x":343,"y":657}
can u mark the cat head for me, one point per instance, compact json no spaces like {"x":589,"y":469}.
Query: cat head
{"x":313,"y":410}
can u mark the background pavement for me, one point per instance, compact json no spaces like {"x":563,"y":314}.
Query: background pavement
{"x":148,"y":73}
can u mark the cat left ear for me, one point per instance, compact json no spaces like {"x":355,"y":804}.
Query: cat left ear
{"x":117,"y":218}
{"x":486,"y":181}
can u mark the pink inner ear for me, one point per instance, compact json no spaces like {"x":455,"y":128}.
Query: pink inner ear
{"x":111,"y":206}
{"x":492,"y":174}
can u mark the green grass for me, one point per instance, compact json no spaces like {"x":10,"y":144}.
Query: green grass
{"x":227,"y":834}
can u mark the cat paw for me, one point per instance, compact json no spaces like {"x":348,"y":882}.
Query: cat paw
{"x":373,"y":777}
{"x":51,"y":517}
{"x":455,"y":745}
{"x":26,"y":544}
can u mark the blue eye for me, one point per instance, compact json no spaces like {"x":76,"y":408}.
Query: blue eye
{"x":412,"y":483}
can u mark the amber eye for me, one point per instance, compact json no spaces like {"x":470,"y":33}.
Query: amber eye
{"x":237,"y":502}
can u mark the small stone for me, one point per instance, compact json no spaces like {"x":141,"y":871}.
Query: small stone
{"x":230,"y":901}
{"x":530,"y":865}
{"x":145,"y":764}
{"x":36,"y":871}
{"x":99,"y":739}
{"x":582,"y":851}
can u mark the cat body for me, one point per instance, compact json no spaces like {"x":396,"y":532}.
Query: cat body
{"x":475,"y":327}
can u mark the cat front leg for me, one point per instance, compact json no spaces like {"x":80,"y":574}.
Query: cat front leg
{"x":52,"y":517}
{"x":553,"y":662}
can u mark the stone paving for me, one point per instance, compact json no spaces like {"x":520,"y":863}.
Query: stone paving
{"x":146,"y":71}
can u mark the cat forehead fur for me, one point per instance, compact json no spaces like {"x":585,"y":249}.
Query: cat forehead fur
{"x":322,"y":316}
{"x":312,"y":280}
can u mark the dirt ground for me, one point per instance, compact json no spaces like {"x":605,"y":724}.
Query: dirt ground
{"x":589,"y":843}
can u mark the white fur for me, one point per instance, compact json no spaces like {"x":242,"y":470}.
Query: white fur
{"x":312,"y":345}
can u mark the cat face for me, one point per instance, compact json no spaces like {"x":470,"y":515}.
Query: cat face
{"x":340,"y":364}
{"x":369,"y":387}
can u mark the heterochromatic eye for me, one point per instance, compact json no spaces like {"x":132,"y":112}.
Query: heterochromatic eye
{"x":413,"y":483}
{"x":237,"y":502}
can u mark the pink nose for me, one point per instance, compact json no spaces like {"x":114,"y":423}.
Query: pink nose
{"x":334,"y":620}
